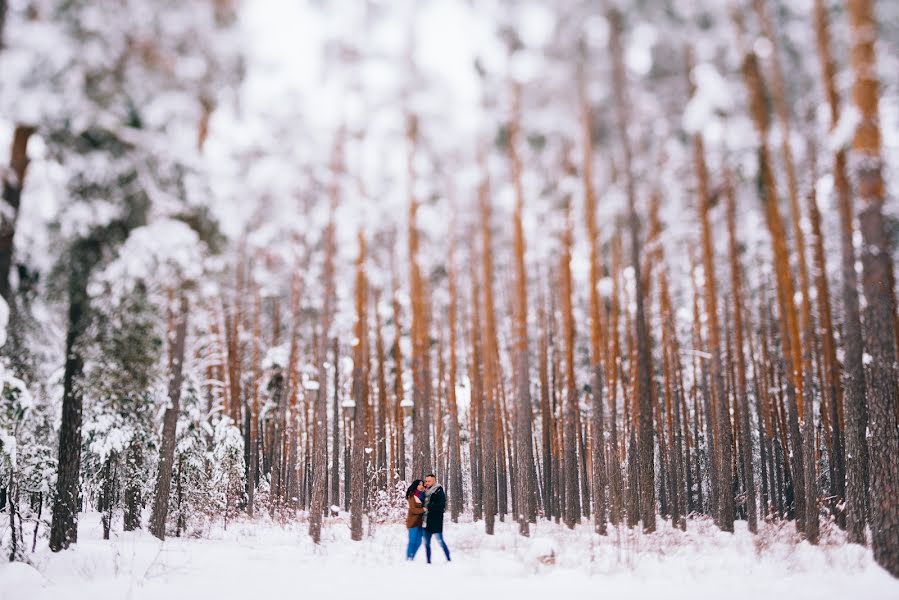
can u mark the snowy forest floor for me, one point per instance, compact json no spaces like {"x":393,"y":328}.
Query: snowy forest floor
{"x":262,"y":559}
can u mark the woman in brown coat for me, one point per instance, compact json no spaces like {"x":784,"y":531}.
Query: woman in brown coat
{"x":414,"y":517}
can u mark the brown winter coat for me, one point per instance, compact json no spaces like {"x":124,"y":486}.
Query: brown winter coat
{"x":415,"y":514}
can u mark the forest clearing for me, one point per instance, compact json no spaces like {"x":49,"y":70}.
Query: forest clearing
{"x":602,"y":291}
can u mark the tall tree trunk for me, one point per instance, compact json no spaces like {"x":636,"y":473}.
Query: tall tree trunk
{"x":134,"y":471}
{"x":613,"y":362}
{"x":643,"y":375}
{"x":830,"y":377}
{"x":83,"y":257}
{"x":319,"y":462}
{"x":546,"y":415}
{"x":785,"y":289}
{"x":253,"y":404}
{"x":421,"y":411}
{"x":169,"y":422}
{"x":488,"y":354}
{"x":877,"y":280}
{"x":335,"y":428}
{"x":802,"y":353}
{"x":383,"y":479}
{"x":856,"y":412}
{"x":399,"y":392}
{"x":598,"y":475}
{"x":570,"y":438}
{"x":524,"y":452}
{"x":13,"y":181}
{"x":357,"y":477}
{"x":455,"y":450}
{"x":706,"y":412}
{"x":742,"y":403}
{"x":475,"y":415}
{"x":721,"y":410}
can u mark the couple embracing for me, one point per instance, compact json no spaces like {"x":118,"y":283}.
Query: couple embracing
{"x":427,"y":502}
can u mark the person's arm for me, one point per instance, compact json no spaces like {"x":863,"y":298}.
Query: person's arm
{"x":439,"y":499}
{"x":416,"y":510}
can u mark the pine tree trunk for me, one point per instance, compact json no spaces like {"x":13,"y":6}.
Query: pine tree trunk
{"x":13,"y":181}
{"x":421,"y":400}
{"x":877,"y":280}
{"x":488,"y":353}
{"x":646,"y":462}
{"x":723,"y":434}
{"x":785,"y":290}
{"x":742,"y":403}
{"x":64,"y":529}
{"x":522,"y":400}
{"x":570,"y":438}
{"x":546,"y":416}
{"x":613,"y":360}
{"x":399,"y":418}
{"x":334,"y":493}
{"x":160,"y":510}
{"x":853,"y":388}
{"x":357,"y":477}
{"x":475,"y":415}
{"x":599,"y":470}
{"x":319,"y":424}
{"x":383,"y":478}
{"x":454,"y":457}
{"x":134,"y":463}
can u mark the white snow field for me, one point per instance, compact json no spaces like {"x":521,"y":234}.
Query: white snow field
{"x":251,"y":560}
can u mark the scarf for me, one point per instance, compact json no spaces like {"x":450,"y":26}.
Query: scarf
{"x":431,"y":490}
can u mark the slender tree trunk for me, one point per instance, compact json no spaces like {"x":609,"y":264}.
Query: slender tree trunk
{"x":742,"y":403}
{"x":546,"y":415}
{"x":13,"y":181}
{"x":522,"y":400}
{"x":596,"y":338}
{"x":383,"y":477}
{"x":421,"y":416}
{"x":253,"y":405}
{"x":613,"y":365}
{"x":643,"y":376}
{"x":399,"y":392}
{"x":454,"y":447}
{"x":134,"y":463}
{"x":856,"y":414}
{"x":357,"y":477}
{"x":335,"y":428}
{"x":572,"y":512}
{"x":723,"y":433}
{"x":709,"y":432}
{"x":785,"y":290}
{"x":169,"y":422}
{"x":64,"y":529}
{"x":877,"y":280}
{"x":475,"y":415}
{"x":319,"y":462}
{"x":488,"y":353}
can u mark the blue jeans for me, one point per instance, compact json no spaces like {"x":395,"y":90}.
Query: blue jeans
{"x":428,"y":535}
{"x":414,"y":542}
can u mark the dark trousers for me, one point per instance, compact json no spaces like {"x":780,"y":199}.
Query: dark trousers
{"x":428,"y":535}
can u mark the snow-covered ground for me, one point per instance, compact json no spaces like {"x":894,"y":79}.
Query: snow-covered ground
{"x":264,"y":560}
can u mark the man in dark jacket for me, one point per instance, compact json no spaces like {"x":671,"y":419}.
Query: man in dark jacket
{"x":435,"y":504}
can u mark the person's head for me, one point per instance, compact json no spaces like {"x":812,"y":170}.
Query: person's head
{"x":430,"y":480}
{"x":415,"y":486}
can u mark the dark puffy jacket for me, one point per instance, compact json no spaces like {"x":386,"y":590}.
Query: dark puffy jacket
{"x":436,"y":505}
